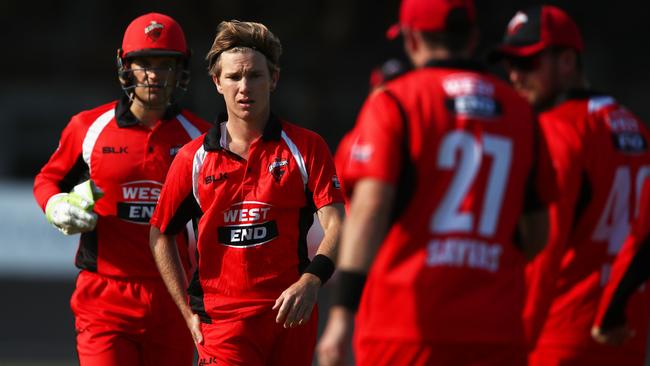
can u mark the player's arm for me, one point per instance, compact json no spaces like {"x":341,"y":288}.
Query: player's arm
{"x":331,"y":220}
{"x":611,"y":325}
{"x":629,"y":271}
{"x":67,"y":211}
{"x":363,"y":232}
{"x":176,"y":206}
{"x":304,"y":293}
{"x":165,"y":253}
{"x":295,"y":304}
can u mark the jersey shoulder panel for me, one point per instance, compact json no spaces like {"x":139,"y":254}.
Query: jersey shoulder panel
{"x":188,"y":150}
{"x":199,"y":122}
{"x":87,"y":117}
{"x":300,"y":135}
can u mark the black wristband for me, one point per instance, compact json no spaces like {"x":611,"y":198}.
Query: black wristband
{"x":322,"y":267}
{"x":350,"y":288}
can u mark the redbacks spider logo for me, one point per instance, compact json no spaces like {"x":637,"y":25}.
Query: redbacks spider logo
{"x":276,"y":168}
{"x":153,"y":30}
{"x":517,"y":22}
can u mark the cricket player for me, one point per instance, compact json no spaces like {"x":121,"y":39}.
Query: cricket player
{"x":600,"y":151}
{"x":124,"y":315}
{"x":255,"y":180}
{"x":443,"y":169}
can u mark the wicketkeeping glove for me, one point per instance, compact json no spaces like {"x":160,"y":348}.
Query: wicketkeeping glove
{"x":72,"y":213}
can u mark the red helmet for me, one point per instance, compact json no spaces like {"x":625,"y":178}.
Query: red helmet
{"x":154,"y":34}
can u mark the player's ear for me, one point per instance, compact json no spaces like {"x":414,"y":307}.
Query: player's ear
{"x":217,"y":83}
{"x":275,"y":76}
{"x":567,"y":60}
{"x":411,"y":41}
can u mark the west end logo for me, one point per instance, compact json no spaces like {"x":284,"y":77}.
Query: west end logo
{"x":276,"y":168}
{"x":138,"y":200}
{"x":247,"y":224}
{"x":153,"y":30}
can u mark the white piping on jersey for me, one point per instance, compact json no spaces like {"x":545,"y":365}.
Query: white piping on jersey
{"x":93,"y":133}
{"x":197,"y":164}
{"x":597,"y":103}
{"x":191,"y":130}
{"x":145,"y":181}
{"x":191,"y":245}
{"x":223,"y":142}
{"x":297,"y":156}
{"x":251,"y":202}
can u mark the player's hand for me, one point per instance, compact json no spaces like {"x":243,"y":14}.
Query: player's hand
{"x":296,"y":303}
{"x":194,"y":324}
{"x":615,"y":336}
{"x":71,"y":213}
{"x":334,"y":344}
{"x":68,"y":213}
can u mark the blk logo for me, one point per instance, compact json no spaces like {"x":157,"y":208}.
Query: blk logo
{"x":115,"y":150}
{"x":208,"y":361}
{"x":214,"y":178}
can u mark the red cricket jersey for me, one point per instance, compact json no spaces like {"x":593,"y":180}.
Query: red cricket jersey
{"x":458,"y":145}
{"x":255,"y":214}
{"x":341,"y":160}
{"x":128,"y":162}
{"x":630,"y":269}
{"x":600,"y":152}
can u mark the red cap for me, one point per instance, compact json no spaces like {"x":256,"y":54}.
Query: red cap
{"x":429,"y":15}
{"x":538,"y":28}
{"x":154,"y":34}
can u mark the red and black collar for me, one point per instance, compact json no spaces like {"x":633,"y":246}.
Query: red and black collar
{"x":272,"y":132}
{"x":125,"y":118}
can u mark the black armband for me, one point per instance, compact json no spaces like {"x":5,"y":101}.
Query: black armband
{"x":322,"y":267}
{"x":350,"y":288}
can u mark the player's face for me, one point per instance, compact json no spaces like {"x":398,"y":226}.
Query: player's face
{"x":536,"y":78}
{"x":246,"y":84}
{"x":155,"y":79}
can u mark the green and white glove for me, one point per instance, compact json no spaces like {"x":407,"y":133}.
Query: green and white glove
{"x":72,"y":213}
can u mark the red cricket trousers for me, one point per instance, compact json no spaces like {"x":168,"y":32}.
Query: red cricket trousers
{"x":128,"y":323}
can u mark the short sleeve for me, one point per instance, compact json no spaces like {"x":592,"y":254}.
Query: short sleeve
{"x":374,"y":149}
{"x":66,"y":165}
{"x":323,"y":181}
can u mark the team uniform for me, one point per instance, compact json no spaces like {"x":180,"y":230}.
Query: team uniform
{"x":254,"y":217}
{"x":447,"y":285}
{"x":120,"y":302}
{"x":629,"y":271}
{"x":600,"y":152}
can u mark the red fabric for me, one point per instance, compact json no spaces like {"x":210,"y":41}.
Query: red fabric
{"x":431,"y":281}
{"x":154,"y":31}
{"x":429,"y":15}
{"x":241,"y":274}
{"x":566,"y":281}
{"x":381,"y":353}
{"x":640,"y":231}
{"x":118,"y":324}
{"x":129,"y":163}
{"x":258,"y":341}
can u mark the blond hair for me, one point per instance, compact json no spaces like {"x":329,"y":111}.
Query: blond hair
{"x":238,"y":36}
